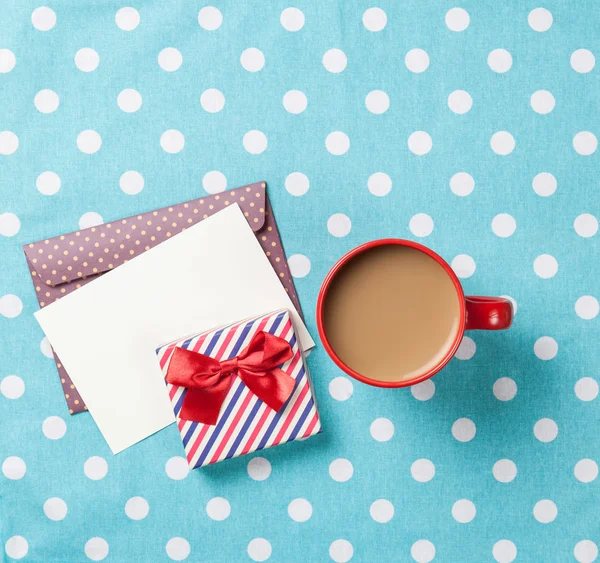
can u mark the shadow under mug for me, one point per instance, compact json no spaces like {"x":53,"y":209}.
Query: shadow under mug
{"x":476,"y":312}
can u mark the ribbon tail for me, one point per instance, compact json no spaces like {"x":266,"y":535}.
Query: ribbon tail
{"x":204,"y":405}
{"x":273,"y":387}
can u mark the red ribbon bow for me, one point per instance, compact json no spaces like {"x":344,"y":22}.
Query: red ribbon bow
{"x":208,"y":380}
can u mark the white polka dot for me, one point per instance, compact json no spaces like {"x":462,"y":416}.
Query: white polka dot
{"x":252,"y":59}
{"x":382,"y":511}
{"x":545,"y":430}
{"x":341,"y":551}
{"x":462,"y":184}
{"x":170,"y":59}
{"x":46,"y":348}
{"x":295,"y":101}
{"x":12,"y":386}
{"x":90,"y":219}
{"x":46,"y":101}
{"x":297,"y":184}
{"x":374,"y":19}
{"x":586,"y":389}
{"x":87,"y":60}
{"x":500,"y":60}
{"x":7,"y":60}
{"x":540,"y":19}
{"x":127,"y":18}
{"x":210,"y":18}
{"x":255,"y":142}
{"x":137,"y":508}
{"x":545,"y":348}
{"x":96,"y":549}
{"x":422,"y":551}
{"x":503,"y":225}
{"x":178,"y":549}
{"x":423,"y":391}
{"x":48,"y":183}
{"x":172,"y":141}
{"x":545,"y":511}
{"x":460,"y":101}
{"x":377,"y":102}
{"x":586,"y":470}
{"x":259,"y":549}
{"x":585,"y":551}
{"x":542,"y":102}
{"x":292,"y":19}
{"x":587,"y":307}
{"x":300,"y":510}
{"x":382,"y":429}
{"x":9,"y":143}
{"x":299,"y":265}
{"x":212,"y":100}
{"x":463,"y":266}
{"x":513,"y":302}
{"x":337,"y":143}
{"x":177,"y":468}
{"x":341,"y":388}
{"x":504,"y":470}
{"x":214,"y":182}
{"x":95,"y":468}
{"x":10,"y":304}
{"x":259,"y":468}
{"x":129,"y":100}
{"x":14,"y":468}
{"x":585,"y":143}
{"x":339,"y":225}
{"x":463,"y":511}
{"x":457,"y":19}
{"x":422,"y":470}
{"x":505,"y":389}
{"x":417,"y":60}
{"x":504,"y":551}
{"x":420,"y":143}
{"x":89,"y":141}
{"x":464,"y":430}
{"x":421,"y":225}
{"x":544,"y":184}
{"x":335,"y":60}
{"x":55,"y":508}
{"x":467,"y":348}
{"x":16,"y":546}
{"x":43,"y":18}
{"x":218,"y":508}
{"x":379,"y":184}
{"x":586,"y":225}
{"x":54,"y":427}
{"x":502,"y":143}
{"x":131,"y":182}
{"x":545,"y":266}
{"x":582,"y":61}
{"x":341,"y":470}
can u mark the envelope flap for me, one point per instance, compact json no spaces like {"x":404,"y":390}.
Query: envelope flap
{"x":95,"y":250}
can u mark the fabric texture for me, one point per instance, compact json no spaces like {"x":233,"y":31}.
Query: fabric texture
{"x":471,"y":127}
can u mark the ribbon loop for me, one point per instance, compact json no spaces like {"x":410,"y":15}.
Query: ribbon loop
{"x":208,"y":380}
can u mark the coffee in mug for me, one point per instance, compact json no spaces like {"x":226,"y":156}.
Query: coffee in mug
{"x":392,"y":313}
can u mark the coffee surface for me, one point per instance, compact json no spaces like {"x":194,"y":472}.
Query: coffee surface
{"x":391,"y":313}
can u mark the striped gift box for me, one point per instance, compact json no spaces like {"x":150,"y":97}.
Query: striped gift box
{"x":245,"y":423}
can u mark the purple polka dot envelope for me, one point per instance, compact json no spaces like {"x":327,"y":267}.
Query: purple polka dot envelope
{"x":62,"y":264}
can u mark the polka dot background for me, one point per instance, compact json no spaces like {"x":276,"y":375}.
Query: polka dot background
{"x":470,"y":129}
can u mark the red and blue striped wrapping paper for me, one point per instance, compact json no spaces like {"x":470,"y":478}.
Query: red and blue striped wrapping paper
{"x":245,"y":423}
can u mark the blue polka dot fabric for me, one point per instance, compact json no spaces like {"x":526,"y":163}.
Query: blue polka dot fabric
{"x":471,"y":128}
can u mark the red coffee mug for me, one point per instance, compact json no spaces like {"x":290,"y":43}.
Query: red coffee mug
{"x":476,"y":312}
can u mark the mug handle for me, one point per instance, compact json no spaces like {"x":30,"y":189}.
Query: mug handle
{"x":488,"y":313}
